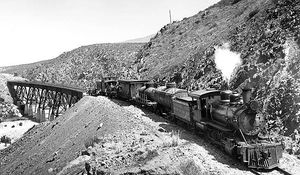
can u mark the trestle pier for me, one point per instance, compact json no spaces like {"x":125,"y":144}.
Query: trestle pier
{"x":43,"y":101}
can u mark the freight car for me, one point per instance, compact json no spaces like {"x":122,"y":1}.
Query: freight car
{"x":128,"y":89}
{"x":106,"y":86}
{"x":229,"y":119}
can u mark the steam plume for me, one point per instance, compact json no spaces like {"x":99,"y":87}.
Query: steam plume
{"x":226,"y":60}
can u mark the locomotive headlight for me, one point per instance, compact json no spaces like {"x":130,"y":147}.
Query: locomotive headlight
{"x":257,"y":121}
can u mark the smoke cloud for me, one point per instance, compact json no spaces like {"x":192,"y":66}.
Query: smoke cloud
{"x":226,"y":60}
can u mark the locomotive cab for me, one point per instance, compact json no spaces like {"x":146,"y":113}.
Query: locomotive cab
{"x":203,"y":98}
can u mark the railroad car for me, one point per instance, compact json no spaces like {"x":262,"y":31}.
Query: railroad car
{"x":164,"y":97}
{"x":160,"y":98}
{"x":128,"y":89}
{"x":106,"y":86}
{"x":143,"y":99}
{"x":184,"y":109}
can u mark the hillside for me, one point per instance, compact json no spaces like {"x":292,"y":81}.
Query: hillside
{"x":188,"y":46}
{"x":82,"y":66}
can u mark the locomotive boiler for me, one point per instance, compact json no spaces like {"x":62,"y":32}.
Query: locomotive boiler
{"x":231,"y":111}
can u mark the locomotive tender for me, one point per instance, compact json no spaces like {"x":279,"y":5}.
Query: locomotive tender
{"x":230,"y":120}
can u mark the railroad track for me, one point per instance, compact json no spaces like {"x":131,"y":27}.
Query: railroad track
{"x":281,"y":171}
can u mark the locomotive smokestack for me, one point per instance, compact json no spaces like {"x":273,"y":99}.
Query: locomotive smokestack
{"x":246,"y":94}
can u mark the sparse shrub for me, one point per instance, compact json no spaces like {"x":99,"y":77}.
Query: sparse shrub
{"x":190,"y":167}
{"x":235,"y":1}
{"x":20,"y":124}
{"x":117,"y":147}
{"x":177,"y":77}
{"x":81,"y":76}
{"x":213,"y":25}
{"x":174,"y":141}
{"x":5,"y":139}
{"x":147,"y":155}
{"x":253,"y":13}
{"x":91,"y":141}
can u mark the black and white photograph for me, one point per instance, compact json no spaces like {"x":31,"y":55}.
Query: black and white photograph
{"x":149,"y":87}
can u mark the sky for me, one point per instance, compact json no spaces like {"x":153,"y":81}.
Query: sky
{"x":34,"y":30}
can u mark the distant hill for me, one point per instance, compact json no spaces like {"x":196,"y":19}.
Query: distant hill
{"x":140,"y":40}
{"x":82,"y":66}
{"x":22,"y":67}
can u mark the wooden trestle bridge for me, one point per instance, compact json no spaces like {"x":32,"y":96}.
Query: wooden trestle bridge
{"x":43,"y":101}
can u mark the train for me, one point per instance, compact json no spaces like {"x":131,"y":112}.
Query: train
{"x":233,"y":121}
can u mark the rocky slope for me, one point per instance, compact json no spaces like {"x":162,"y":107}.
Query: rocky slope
{"x":271,"y":56}
{"x":188,"y":46}
{"x":7,"y":109}
{"x":82,"y":66}
{"x":4,"y":93}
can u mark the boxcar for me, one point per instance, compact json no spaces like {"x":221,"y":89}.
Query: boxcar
{"x":129,"y":88}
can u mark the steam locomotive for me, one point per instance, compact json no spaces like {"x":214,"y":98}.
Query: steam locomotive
{"x":231,"y":120}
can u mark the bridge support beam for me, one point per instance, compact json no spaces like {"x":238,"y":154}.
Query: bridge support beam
{"x":43,"y":101}
{"x":26,"y":110}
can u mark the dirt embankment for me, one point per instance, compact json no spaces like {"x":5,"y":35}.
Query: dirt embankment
{"x":103,"y":136}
